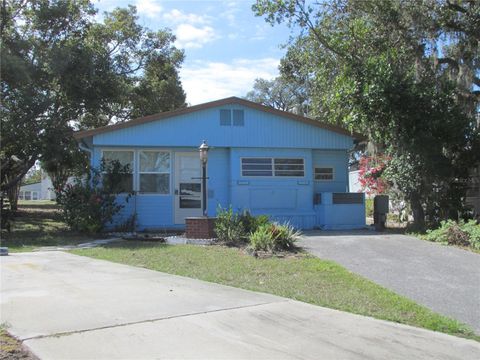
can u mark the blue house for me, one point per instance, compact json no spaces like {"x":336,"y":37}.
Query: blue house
{"x":267,"y":161}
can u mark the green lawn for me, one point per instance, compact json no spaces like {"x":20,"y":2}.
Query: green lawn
{"x":303,"y":278}
{"x":39,"y":224}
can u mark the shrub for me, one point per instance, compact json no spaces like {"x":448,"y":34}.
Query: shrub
{"x":229,"y":226}
{"x":88,"y":205}
{"x":285,"y":236}
{"x":252,"y":223}
{"x":274,"y":237}
{"x":453,"y":233}
{"x":262,"y":239}
{"x":369,"y":207}
{"x":473,"y":231}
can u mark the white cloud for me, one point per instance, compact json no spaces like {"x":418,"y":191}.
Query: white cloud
{"x":207,"y":81}
{"x":190,"y":36}
{"x":177,"y":16}
{"x":149,"y":8}
{"x":230,"y":14}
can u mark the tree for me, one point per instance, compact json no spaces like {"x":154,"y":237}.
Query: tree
{"x":280,"y":94}
{"x":402,"y":72}
{"x":34,"y":175}
{"x":63,"y":70}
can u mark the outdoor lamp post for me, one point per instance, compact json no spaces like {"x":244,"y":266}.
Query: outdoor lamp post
{"x":203,"y":150}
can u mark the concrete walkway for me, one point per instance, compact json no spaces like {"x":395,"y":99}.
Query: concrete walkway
{"x":444,"y":278}
{"x":65,"y":306}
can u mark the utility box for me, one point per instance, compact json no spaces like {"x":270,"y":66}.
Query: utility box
{"x":380,"y":211}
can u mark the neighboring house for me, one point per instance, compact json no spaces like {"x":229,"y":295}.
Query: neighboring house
{"x":354,"y":182}
{"x":30,"y":191}
{"x":47,"y":188}
{"x":42,"y":190}
{"x":263,"y":160}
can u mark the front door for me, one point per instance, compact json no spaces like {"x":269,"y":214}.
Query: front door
{"x":188,"y":186}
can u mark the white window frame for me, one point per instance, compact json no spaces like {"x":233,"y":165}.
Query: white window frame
{"x":37,"y":195}
{"x":29,"y":195}
{"x":272,"y":162}
{"x":323,"y":167}
{"x":134,"y":165}
{"x":138,"y":173}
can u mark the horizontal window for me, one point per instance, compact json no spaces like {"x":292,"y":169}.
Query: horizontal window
{"x":289,"y":167}
{"x":278,"y":167}
{"x":323,"y":173}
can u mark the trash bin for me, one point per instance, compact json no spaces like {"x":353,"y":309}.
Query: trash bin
{"x":380,"y":211}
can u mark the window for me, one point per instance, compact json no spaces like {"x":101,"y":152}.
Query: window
{"x":238,"y":118}
{"x":279,"y":167}
{"x":28,"y":195}
{"x":323,"y":173}
{"x":20,"y":195}
{"x":289,"y":167}
{"x":257,"y":167}
{"x":34,"y":195}
{"x":225,"y":117}
{"x":154,"y":172}
{"x":124,"y":157}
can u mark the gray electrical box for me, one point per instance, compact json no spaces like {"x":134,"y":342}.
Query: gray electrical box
{"x":380,"y":211}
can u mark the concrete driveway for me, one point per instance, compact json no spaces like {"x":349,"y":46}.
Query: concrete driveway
{"x":65,"y":306}
{"x":445,"y":279}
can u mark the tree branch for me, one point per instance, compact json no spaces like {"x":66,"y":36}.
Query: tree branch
{"x":449,"y":61}
{"x":456,"y":7}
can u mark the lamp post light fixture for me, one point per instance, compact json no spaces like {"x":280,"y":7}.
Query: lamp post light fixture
{"x":203,"y":150}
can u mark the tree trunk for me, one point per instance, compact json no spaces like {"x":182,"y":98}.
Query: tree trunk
{"x":418,"y":212}
{"x":13,"y":196}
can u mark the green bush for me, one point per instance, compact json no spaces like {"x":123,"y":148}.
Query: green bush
{"x":229,"y":226}
{"x":274,"y":237}
{"x":453,"y":233}
{"x":369,"y":207}
{"x":252,"y":223}
{"x":262,"y":239}
{"x":89,"y":205}
{"x":473,"y":231}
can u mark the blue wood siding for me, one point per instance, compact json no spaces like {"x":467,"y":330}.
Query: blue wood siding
{"x":338,"y":160}
{"x":218,"y":185}
{"x":261,"y":129}
{"x":339,"y":216}
{"x":282,"y":198}
{"x":260,"y":134}
{"x":157,"y":211}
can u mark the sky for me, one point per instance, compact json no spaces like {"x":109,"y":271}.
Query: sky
{"x":226,"y":46}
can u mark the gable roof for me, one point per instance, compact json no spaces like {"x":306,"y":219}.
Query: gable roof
{"x":216,"y":103}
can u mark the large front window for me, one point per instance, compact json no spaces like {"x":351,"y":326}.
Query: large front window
{"x":124,"y":157}
{"x":154,"y":172}
{"x":278,"y":167}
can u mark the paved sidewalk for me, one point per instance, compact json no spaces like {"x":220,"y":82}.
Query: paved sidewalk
{"x":65,"y":306}
{"x":444,"y":278}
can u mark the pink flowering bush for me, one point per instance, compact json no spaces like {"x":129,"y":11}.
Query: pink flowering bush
{"x":370,"y":174}
{"x":89,"y":204}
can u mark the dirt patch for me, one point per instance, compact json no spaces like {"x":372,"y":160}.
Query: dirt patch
{"x":12,"y":349}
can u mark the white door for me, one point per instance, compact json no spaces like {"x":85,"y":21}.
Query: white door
{"x":188,"y":186}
